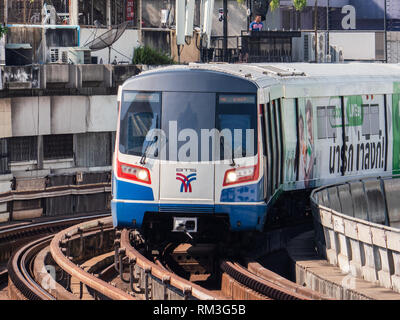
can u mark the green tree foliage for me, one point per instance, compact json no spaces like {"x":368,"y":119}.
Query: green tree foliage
{"x":150,"y":56}
{"x":298,"y":4}
{"x":3,"y":30}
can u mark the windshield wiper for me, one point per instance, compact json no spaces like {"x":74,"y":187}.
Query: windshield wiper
{"x":222,"y":143}
{"x":144,"y":154}
{"x":233,"y":157}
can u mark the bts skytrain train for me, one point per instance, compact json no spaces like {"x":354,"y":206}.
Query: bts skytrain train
{"x":205,"y":148}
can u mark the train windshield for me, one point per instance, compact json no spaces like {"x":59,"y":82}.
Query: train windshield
{"x":188,"y":126}
{"x":237,"y":123}
{"x":140,"y":113}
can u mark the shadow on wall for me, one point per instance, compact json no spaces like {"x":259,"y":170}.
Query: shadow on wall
{"x":375,"y":200}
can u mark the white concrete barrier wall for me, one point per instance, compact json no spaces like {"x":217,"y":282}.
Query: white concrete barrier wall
{"x":362,"y":248}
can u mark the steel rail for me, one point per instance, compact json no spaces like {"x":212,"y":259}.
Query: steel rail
{"x":163,"y":275}
{"x":26,"y":230}
{"x":258,"y":284}
{"x":20,"y":275}
{"x":71,"y":268}
{"x":275,"y":278}
{"x":41,"y":275}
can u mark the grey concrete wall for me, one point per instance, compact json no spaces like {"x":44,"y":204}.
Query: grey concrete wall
{"x":68,"y":114}
{"x":102,"y":114}
{"x":5,"y":118}
{"x":31,"y":116}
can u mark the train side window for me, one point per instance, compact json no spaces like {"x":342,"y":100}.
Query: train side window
{"x":280,"y":139}
{"x":332,"y":121}
{"x":366,"y":123}
{"x":277,"y":153}
{"x":371,"y":122}
{"x":271,"y":143}
{"x":264,"y":147}
{"x":321,"y":119}
{"x":327,"y":121}
{"x":374,"y":118}
{"x":263,"y":129}
{"x":268,"y":150}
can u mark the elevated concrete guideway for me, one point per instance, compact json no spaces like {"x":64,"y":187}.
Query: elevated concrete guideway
{"x":357,"y":229}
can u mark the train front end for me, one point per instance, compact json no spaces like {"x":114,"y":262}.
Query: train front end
{"x":188,"y":155}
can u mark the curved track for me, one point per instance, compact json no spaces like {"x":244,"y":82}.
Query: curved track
{"x":24,"y":236}
{"x":143,"y":278}
{"x":20,"y":270}
{"x":269,"y":286}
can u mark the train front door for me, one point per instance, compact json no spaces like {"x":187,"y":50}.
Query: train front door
{"x":187,"y":174}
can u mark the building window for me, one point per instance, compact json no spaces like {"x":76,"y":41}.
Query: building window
{"x":23,"y":149}
{"x":58,"y":147}
{"x":94,"y":12}
{"x":26,"y":12}
{"x":4,"y":157}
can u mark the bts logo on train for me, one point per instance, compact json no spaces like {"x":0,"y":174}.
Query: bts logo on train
{"x":186,"y":179}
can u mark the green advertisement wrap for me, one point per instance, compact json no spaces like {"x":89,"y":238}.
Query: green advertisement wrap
{"x":396,"y":127}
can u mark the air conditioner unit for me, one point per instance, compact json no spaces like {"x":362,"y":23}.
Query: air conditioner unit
{"x":69,"y":55}
{"x":58,"y":55}
{"x":309,"y":47}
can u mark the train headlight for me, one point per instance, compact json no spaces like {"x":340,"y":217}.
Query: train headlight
{"x":142,"y":175}
{"x":240,"y":175}
{"x":231,"y":177}
{"x":133,"y":172}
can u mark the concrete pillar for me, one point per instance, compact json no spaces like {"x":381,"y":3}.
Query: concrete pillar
{"x":108,"y":13}
{"x":384,"y":275}
{"x":383,"y":257}
{"x":396,"y":276}
{"x":5,"y":186}
{"x":344,"y":253}
{"x":6,"y":12}
{"x":332,"y":252}
{"x":356,"y":262}
{"x":73,"y":12}
{"x":140,"y":6}
{"x":368,"y":270}
{"x":74,"y":76}
{"x":40,"y":152}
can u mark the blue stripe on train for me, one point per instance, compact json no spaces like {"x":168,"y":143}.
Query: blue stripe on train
{"x":124,"y":212}
{"x":249,"y":193}
{"x":242,"y":217}
{"x":131,"y":191}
